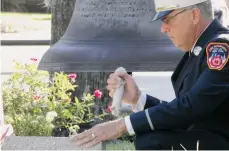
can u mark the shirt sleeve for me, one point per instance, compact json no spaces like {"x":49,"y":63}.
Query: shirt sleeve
{"x":140,"y":104}
{"x":145,"y":101}
{"x":129,"y":126}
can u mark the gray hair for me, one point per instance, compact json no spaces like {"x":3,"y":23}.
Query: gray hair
{"x":205,"y":8}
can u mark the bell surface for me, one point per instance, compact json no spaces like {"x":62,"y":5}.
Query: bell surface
{"x":106,"y":34}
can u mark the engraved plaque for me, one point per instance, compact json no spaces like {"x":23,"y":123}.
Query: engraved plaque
{"x":103,"y":18}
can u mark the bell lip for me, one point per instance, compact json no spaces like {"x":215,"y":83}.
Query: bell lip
{"x":160,"y":15}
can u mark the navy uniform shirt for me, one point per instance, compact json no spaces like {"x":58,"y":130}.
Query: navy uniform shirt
{"x":201,"y":85}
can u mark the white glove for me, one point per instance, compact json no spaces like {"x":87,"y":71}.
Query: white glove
{"x":118,"y":95}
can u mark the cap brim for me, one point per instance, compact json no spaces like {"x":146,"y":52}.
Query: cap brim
{"x":160,"y":15}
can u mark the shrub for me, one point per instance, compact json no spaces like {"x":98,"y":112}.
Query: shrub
{"x":34,"y":105}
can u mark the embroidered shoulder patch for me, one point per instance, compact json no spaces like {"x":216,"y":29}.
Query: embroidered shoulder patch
{"x":217,"y":55}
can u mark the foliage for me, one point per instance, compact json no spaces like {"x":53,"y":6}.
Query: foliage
{"x":34,"y":104}
{"x":127,"y":137}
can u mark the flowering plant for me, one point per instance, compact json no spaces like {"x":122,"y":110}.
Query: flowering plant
{"x":34,"y":104}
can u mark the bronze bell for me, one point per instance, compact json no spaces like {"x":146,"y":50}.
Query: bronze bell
{"x":106,"y":34}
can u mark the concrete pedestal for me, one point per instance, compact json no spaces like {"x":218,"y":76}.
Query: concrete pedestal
{"x":44,"y":143}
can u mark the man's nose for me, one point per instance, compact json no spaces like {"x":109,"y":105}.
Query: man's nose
{"x":164,"y":28}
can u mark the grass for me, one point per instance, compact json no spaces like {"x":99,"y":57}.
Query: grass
{"x":126,"y":145}
{"x":120,"y":145}
{"x":29,"y":16}
{"x":18,"y":22}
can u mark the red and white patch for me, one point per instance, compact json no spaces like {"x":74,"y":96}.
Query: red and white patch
{"x":217,"y":55}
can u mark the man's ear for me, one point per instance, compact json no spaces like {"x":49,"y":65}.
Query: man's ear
{"x":196,"y":15}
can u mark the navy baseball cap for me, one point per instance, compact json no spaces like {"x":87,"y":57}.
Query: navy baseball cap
{"x":161,"y":15}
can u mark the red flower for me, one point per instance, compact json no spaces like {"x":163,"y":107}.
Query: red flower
{"x":109,"y":107}
{"x":36,"y":97}
{"x":72,"y":76}
{"x":98,"y":94}
{"x":33,"y":59}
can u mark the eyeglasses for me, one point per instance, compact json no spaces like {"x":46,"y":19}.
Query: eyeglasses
{"x":166,"y":20}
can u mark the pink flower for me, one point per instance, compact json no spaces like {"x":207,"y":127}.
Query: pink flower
{"x":98,"y":94}
{"x":72,"y":76}
{"x":36,"y":97}
{"x":109,"y":107}
{"x":33,"y":59}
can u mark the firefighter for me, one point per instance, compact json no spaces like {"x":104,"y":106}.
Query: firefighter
{"x":199,"y":112}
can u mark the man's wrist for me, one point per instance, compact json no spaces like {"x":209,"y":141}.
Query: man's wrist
{"x":137,"y":97}
{"x":122,"y":126}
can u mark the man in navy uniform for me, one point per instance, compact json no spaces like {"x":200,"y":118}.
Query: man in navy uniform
{"x":199,"y":113}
